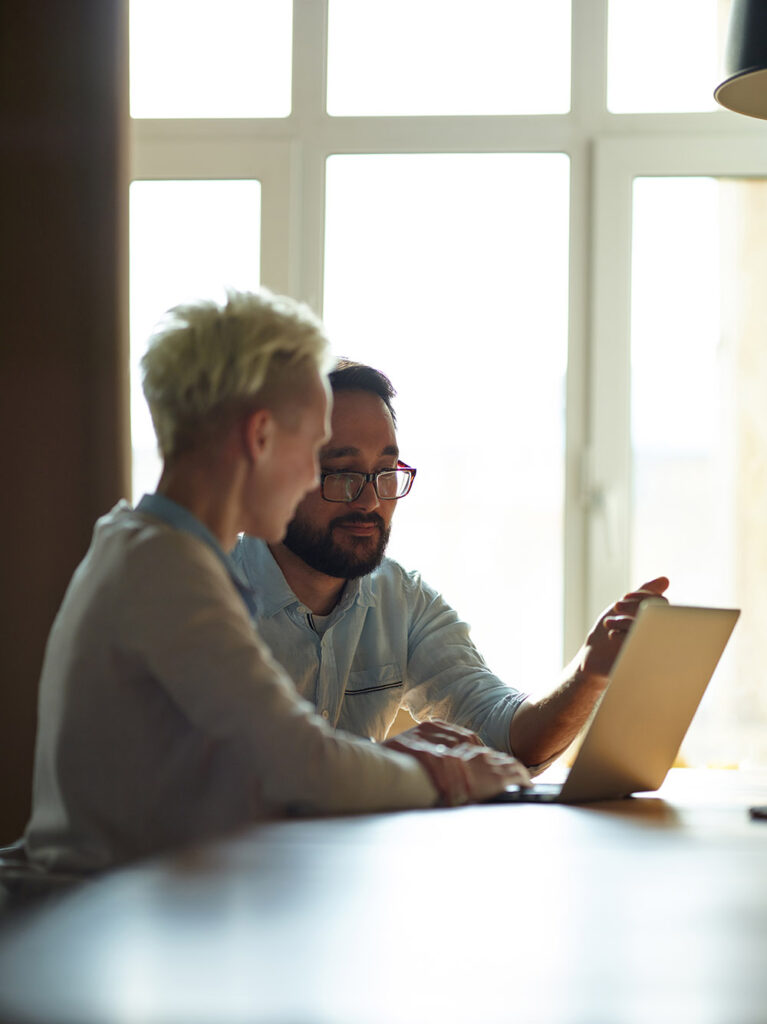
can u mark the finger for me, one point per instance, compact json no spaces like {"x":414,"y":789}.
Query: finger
{"x":637,"y":597}
{"x":440,"y":737}
{"x":444,"y":732}
{"x":618,"y":623}
{"x":486,"y":778}
{"x":631,"y":603}
{"x":656,"y":586}
{"x":617,"y":634}
{"x":467,"y":772}
{"x":461,"y":732}
{"x":516,"y":774}
{"x":504,"y":765}
{"x":423,"y":735}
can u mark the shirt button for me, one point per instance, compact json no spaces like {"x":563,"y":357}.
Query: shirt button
{"x":325,"y":714}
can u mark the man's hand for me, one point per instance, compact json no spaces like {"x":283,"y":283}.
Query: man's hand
{"x":606,"y":638}
{"x":542,"y":729}
{"x":435,"y":731}
{"x":462,"y":769}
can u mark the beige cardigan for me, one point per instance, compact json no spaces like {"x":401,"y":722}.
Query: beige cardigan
{"x":163,"y":718}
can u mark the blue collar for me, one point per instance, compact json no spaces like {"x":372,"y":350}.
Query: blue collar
{"x":180,"y":518}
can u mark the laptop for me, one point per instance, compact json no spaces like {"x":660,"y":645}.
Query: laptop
{"x":656,"y":685}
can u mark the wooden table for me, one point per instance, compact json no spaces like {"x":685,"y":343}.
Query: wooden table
{"x":648,"y":910}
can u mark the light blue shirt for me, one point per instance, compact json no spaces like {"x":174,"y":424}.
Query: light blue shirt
{"x":391,"y":642}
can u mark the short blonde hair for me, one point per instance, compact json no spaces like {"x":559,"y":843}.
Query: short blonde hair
{"x":207,"y":363}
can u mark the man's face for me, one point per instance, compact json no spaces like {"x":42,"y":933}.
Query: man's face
{"x":348,"y":539}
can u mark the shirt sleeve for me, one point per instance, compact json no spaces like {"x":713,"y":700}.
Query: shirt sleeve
{"x":187,"y":620}
{"x":447,"y":677}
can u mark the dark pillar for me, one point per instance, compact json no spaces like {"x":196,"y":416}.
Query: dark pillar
{"x":63,"y":334}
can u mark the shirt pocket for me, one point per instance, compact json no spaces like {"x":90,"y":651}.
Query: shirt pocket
{"x":371,"y":700}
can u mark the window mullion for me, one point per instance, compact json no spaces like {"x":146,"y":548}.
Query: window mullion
{"x":310,"y":29}
{"x":607,"y":485}
{"x":576,"y":402}
{"x":589,"y":64}
{"x":588,"y":115}
{"x":310,"y":32}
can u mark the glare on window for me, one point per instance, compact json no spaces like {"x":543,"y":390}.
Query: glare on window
{"x":188,"y":240}
{"x":663,"y":55}
{"x":436,"y":57}
{"x":210,"y":58}
{"x":449,"y":272}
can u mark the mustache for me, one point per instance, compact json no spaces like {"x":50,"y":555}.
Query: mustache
{"x":354,"y":518}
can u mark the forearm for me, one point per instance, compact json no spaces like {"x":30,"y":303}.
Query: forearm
{"x":543,"y":729}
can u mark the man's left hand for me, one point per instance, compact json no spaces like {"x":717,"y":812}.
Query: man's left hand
{"x":606,"y":638}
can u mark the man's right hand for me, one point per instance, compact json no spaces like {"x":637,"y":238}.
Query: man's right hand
{"x":434,"y":731}
{"x":462,"y":770}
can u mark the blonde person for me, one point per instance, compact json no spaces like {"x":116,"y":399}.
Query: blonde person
{"x":163,"y":718}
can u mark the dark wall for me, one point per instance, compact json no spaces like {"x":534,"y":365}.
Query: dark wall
{"x":63,"y":363}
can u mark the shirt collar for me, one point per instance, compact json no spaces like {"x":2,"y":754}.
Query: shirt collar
{"x":365,"y":589}
{"x":180,"y":518}
{"x":272,"y":591}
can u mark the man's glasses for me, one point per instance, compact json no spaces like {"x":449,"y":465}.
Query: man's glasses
{"x":389,"y":484}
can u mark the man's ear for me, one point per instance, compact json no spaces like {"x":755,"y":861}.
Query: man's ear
{"x":258,"y":433}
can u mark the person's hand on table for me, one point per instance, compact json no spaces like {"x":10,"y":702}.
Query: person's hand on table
{"x":606,"y":638}
{"x":462,"y":770}
{"x":436,"y":731}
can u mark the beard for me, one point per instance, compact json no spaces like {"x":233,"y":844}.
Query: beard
{"x":320,"y":551}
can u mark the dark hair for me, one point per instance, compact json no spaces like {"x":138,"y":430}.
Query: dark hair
{"x":347,"y":375}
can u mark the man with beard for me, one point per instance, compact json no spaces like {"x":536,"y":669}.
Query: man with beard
{"x":361,"y":637}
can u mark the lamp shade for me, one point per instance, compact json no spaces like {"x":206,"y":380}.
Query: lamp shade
{"x":744,"y":90}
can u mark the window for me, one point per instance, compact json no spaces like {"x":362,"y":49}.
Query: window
{"x":188,"y":239}
{"x":458,"y":302}
{"x":438,"y":57}
{"x":533,"y":218}
{"x":191,"y":58}
{"x":663,"y":55}
{"x":699,"y":423}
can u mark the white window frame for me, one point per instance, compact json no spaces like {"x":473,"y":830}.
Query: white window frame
{"x":607,"y":151}
{"x":616,"y":165}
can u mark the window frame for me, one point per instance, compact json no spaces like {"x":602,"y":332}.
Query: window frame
{"x":617,"y":163}
{"x":606,"y":152}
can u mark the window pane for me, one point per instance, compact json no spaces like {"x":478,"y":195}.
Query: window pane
{"x":407,"y":57}
{"x":450,"y":274}
{"x":664,"y":55}
{"x":188,"y":240}
{"x":699,"y":428}
{"x":210,"y":58}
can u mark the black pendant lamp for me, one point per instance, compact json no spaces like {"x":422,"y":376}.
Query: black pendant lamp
{"x":745,"y":60}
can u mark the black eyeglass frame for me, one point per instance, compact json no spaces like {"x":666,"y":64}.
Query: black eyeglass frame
{"x":366,"y":478}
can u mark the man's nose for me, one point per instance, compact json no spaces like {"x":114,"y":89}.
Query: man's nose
{"x":367,"y":498}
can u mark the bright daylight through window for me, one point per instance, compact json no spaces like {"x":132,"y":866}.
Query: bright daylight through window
{"x":177,"y":256}
{"x":699,"y":425}
{"x":551,"y":252}
{"x":449,"y":272}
